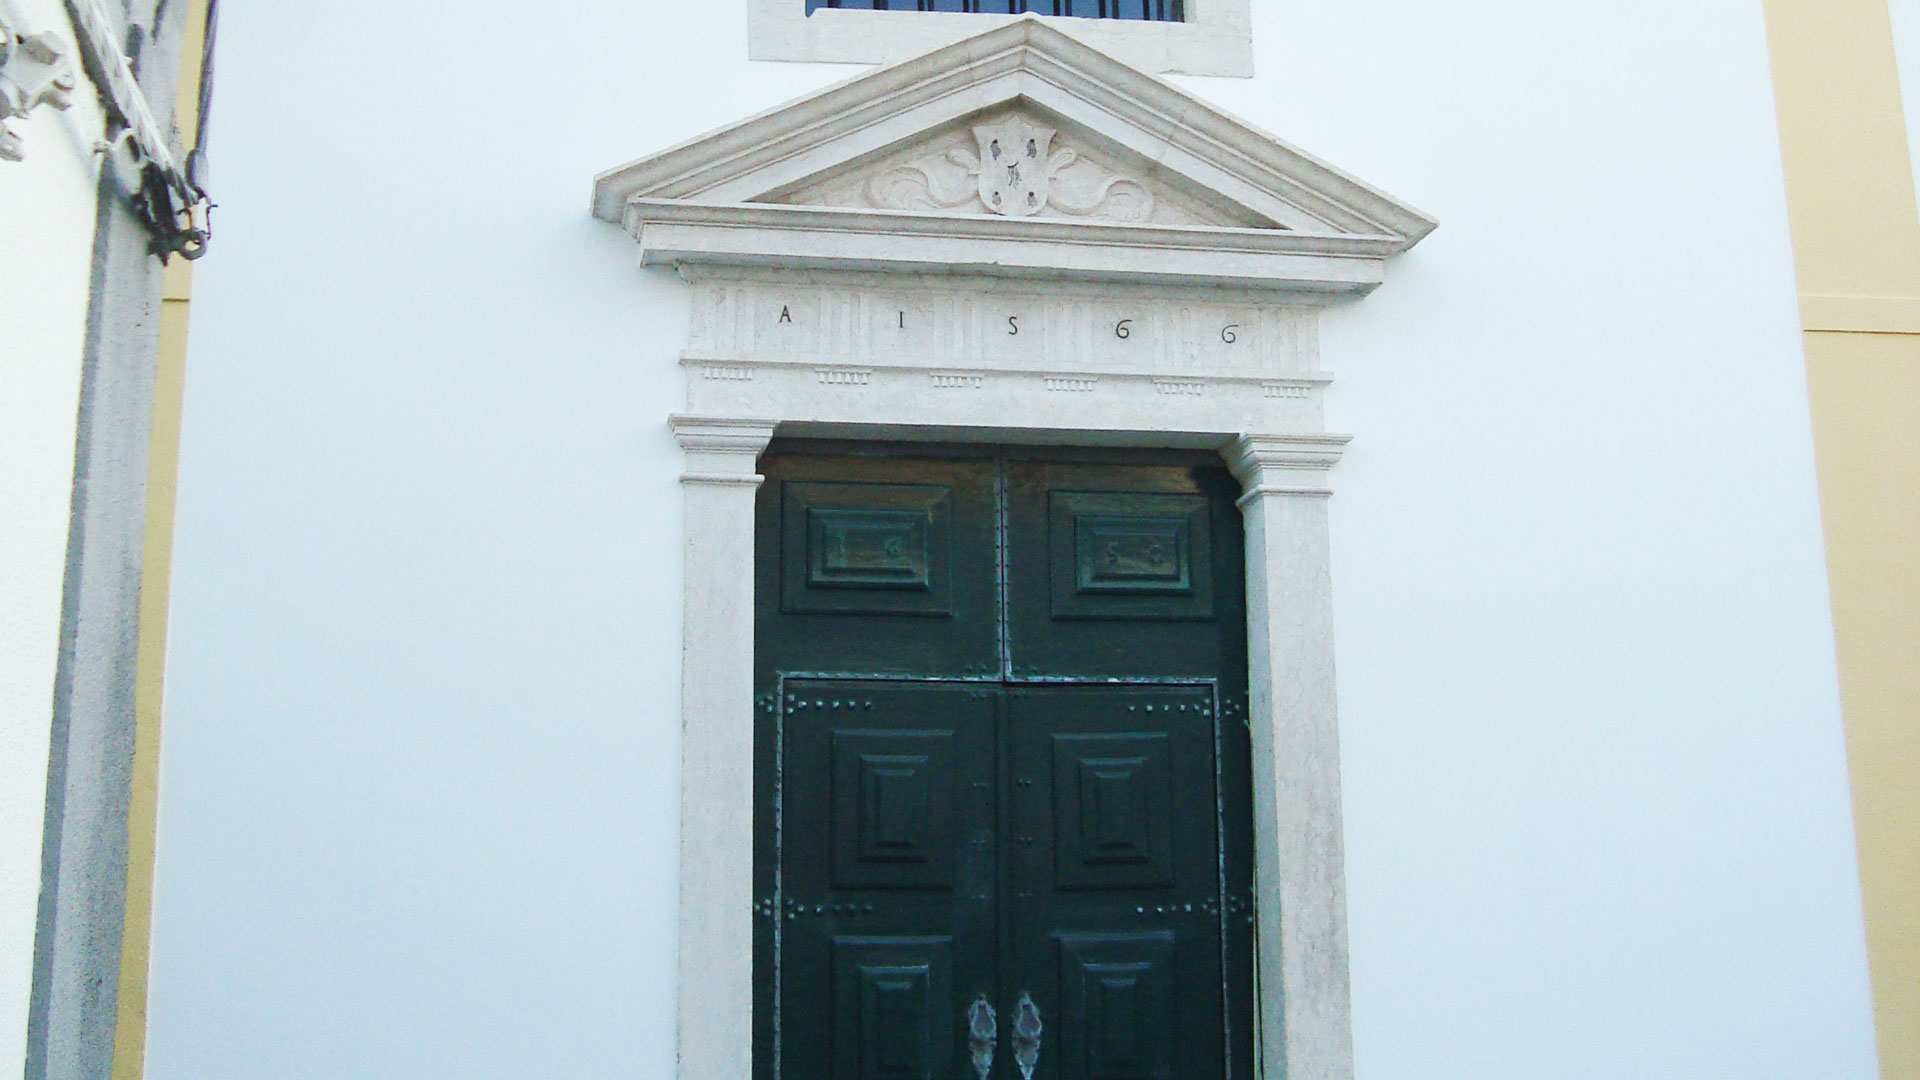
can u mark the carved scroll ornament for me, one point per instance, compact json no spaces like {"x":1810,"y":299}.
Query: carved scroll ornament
{"x":1014,"y":173}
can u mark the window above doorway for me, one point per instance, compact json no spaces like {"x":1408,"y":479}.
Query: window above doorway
{"x":1186,"y":37}
{"x":1143,"y":10}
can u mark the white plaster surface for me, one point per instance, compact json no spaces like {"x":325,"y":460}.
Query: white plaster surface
{"x":46,"y":248}
{"x":419,"y":813}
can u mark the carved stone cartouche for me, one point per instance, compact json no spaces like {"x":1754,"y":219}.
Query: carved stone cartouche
{"x":1015,"y":172}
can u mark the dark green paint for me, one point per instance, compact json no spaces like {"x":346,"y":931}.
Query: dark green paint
{"x":992,"y":765}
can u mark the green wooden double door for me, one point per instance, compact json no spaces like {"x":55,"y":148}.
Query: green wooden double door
{"x":1003,"y":803}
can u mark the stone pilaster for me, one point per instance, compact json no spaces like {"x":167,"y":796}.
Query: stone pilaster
{"x":1299,"y":874}
{"x":716,"y":751}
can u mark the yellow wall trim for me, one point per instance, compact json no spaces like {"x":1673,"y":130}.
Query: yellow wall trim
{"x":1861,"y":314}
{"x":1856,"y":240}
{"x":177,"y":283}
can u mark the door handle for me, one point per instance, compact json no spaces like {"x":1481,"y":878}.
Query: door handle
{"x":983,"y":1031}
{"x":1027,"y":1030}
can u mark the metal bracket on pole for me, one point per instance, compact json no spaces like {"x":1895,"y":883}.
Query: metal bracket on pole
{"x":173,"y":207}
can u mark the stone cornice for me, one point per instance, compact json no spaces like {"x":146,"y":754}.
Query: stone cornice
{"x":806,"y":236}
{"x":1284,"y":464}
{"x":721,"y":450}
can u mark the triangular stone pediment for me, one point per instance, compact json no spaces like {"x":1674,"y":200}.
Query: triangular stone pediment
{"x":1019,"y":152}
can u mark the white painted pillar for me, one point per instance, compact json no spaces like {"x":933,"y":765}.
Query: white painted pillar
{"x":716,"y":748}
{"x":1300,"y":887}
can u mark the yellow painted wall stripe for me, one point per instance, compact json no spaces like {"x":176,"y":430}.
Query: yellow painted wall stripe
{"x":1861,"y":314}
{"x":163,"y":470}
{"x":1844,"y":143}
{"x":1856,"y":237}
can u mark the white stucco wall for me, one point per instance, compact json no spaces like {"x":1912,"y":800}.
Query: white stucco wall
{"x":46,"y":259}
{"x":418,"y":790}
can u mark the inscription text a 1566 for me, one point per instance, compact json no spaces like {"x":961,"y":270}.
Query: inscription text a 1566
{"x":870,"y":322}
{"x":1124,"y":329}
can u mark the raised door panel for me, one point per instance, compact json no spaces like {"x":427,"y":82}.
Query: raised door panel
{"x":895,"y":809}
{"x":1116,"y":918}
{"x":893,"y":1008}
{"x":884,"y":906}
{"x":1129,"y":555}
{"x":1117,"y":1005}
{"x":1112,"y":811}
{"x":866,"y":548}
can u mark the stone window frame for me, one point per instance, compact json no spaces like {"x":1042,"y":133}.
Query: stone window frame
{"x":1215,"y":39}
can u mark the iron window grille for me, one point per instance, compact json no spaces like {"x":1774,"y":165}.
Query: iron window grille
{"x":1138,"y":10}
